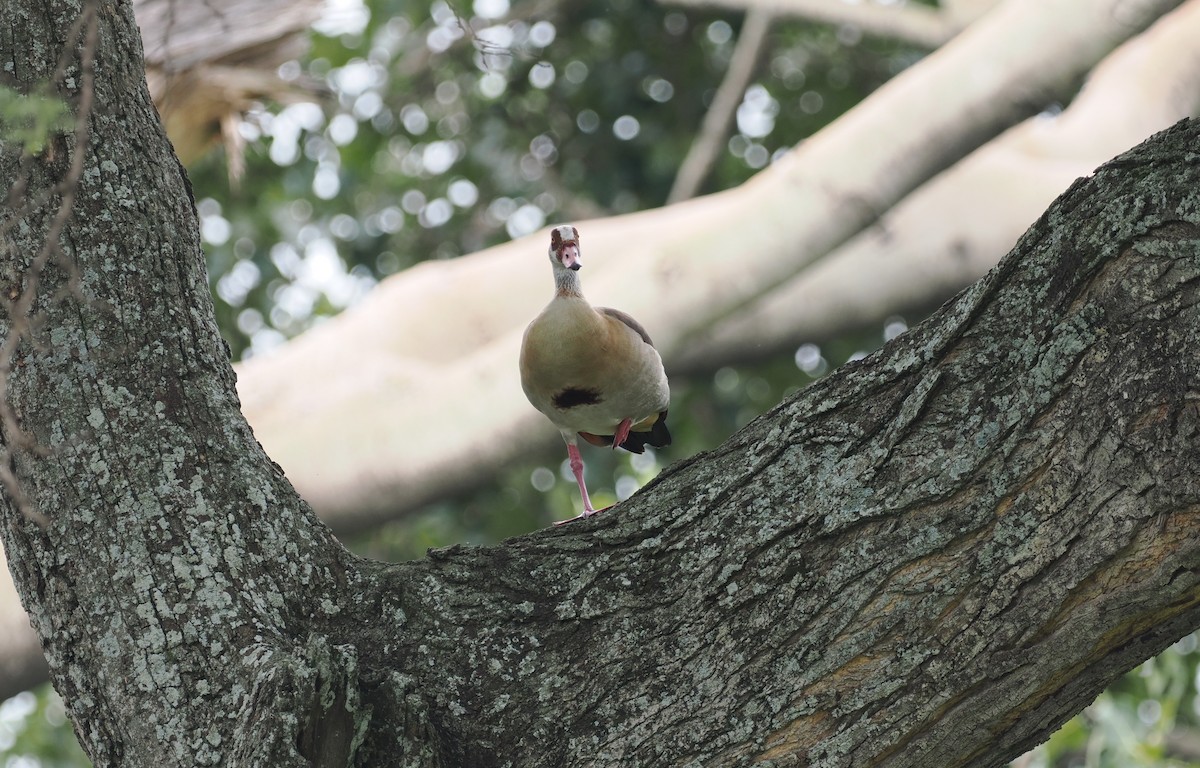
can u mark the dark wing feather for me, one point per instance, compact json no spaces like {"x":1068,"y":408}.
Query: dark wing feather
{"x":657,"y":437}
{"x":624,"y":318}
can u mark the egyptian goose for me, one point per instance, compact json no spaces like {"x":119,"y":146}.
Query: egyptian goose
{"x":592,"y":370}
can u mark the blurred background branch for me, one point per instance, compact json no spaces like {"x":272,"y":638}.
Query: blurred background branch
{"x":948,"y":233}
{"x":710,"y":141}
{"x":909,"y":23}
{"x":208,"y":63}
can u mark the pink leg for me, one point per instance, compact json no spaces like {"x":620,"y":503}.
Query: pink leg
{"x":622,"y":433}
{"x":577,"y":469}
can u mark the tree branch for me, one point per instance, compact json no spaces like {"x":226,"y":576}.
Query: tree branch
{"x":930,"y":557}
{"x":208,"y":62}
{"x":710,"y":141}
{"x":915,"y":24}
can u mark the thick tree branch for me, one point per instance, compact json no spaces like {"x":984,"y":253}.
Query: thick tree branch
{"x":931,"y":557}
{"x":167,"y":528}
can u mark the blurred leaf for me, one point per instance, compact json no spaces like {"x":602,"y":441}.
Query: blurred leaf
{"x":30,"y":120}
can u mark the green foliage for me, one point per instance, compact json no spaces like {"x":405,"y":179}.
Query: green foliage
{"x":1150,"y":717}
{"x":34,"y":733}
{"x":29,"y":121}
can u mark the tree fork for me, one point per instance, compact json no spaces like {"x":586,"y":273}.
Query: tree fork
{"x":933,"y":556}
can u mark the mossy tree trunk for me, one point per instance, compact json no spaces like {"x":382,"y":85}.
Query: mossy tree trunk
{"x":932,"y":557}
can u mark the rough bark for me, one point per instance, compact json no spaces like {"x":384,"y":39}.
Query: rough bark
{"x":931,"y":557}
{"x":154,"y":545}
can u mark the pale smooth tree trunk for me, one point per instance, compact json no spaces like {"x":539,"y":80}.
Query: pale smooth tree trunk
{"x":934,"y":556}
